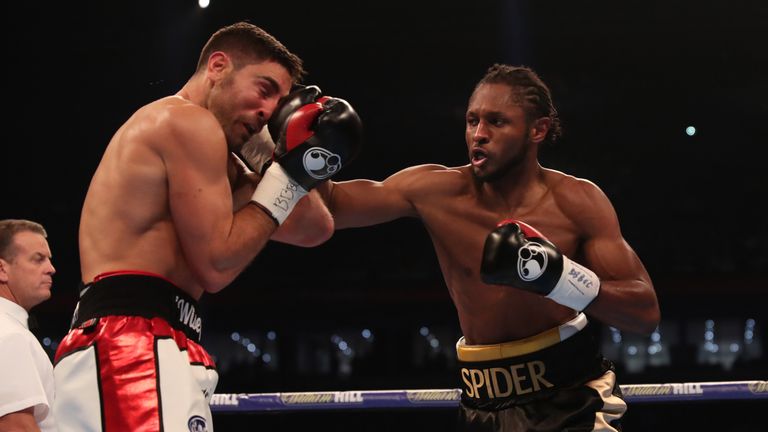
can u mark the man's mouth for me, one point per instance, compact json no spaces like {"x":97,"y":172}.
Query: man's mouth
{"x":478,"y":157}
{"x":251,"y":130}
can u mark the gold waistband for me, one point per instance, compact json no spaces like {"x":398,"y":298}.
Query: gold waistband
{"x":545,"y":339}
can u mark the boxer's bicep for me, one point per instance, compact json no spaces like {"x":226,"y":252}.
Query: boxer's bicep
{"x":199,"y":194}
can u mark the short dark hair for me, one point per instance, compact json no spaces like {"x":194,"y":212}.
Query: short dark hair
{"x":247,"y":43}
{"x":529,"y":90}
{"x":8,"y":230}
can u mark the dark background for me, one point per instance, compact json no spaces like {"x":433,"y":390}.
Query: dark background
{"x":628,"y":78}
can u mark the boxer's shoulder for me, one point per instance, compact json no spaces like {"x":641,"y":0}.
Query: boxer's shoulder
{"x":430,"y":179}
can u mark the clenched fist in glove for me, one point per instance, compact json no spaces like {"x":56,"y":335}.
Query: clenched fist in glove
{"x":517,"y":255}
{"x":315,"y":136}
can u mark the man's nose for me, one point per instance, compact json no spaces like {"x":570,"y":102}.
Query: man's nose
{"x":481,"y":133}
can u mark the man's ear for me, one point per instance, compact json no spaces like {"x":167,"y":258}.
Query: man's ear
{"x":539,"y":129}
{"x":4,"y":271}
{"x":219,"y":63}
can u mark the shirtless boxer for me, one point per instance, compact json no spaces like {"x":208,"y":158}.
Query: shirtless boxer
{"x":170,"y":214}
{"x":528,"y":360}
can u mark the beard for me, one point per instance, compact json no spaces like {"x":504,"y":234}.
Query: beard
{"x":508,"y":166}
{"x":219,"y":104}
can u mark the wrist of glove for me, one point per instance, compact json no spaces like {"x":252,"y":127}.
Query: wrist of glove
{"x":577,"y":286}
{"x":277,"y":193}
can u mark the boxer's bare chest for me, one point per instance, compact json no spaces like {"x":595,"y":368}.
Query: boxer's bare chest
{"x":458,"y":227}
{"x":459,"y":224}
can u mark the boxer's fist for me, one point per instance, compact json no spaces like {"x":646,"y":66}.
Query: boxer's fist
{"x":314,"y":137}
{"x":517,"y":255}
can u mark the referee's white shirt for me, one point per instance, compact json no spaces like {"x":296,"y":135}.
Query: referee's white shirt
{"x":26,"y":373}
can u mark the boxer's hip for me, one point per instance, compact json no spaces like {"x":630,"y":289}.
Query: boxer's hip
{"x":500,"y":375}
{"x":129,"y":293}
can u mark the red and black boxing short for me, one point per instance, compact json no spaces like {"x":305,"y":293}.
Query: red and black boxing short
{"x":553,"y":381}
{"x":132,"y":360}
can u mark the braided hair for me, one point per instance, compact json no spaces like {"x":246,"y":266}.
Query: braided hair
{"x":529,"y":91}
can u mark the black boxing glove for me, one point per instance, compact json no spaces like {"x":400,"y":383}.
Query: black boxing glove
{"x":313,"y":141}
{"x":288,"y":105}
{"x":314,"y":138}
{"x":517,"y":255}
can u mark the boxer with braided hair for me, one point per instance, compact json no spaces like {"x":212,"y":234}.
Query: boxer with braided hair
{"x":528,"y":254}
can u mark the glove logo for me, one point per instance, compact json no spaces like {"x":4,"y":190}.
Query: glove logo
{"x":320,"y":164}
{"x":532,"y":261}
{"x":197,"y":424}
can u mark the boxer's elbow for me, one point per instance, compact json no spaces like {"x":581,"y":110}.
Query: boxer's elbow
{"x":649,"y":319}
{"x":213,"y":281}
{"x":211,"y":286}
{"x":321,"y":233}
{"x":653,"y":320}
{"x":306,"y":232}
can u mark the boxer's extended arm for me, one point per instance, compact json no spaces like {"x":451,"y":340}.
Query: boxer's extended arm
{"x":216,"y":243}
{"x":358,"y":203}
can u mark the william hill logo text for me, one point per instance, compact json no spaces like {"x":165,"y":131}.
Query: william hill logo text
{"x":497,"y":382}
{"x":758,"y":387}
{"x":662,"y":389}
{"x":227,"y":399}
{"x":432,"y":395}
{"x":321,"y":398}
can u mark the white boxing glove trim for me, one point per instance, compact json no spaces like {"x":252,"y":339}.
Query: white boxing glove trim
{"x":577,"y":286}
{"x":277,"y":193}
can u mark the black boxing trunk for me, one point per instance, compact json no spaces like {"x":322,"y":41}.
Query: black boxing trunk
{"x":550,"y":381}
{"x":141,"y":294}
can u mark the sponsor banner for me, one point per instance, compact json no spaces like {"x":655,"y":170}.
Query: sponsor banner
{"x":449,"y":398}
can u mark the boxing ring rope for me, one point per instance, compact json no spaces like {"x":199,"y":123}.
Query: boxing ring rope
{"x":449,"y":398}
